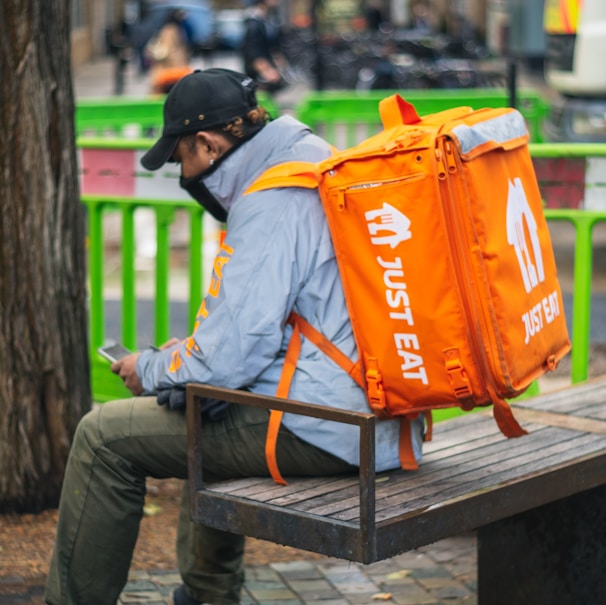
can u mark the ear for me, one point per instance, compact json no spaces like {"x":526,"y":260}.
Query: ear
{"x":215,"y":142}
{"x":206,"y":140}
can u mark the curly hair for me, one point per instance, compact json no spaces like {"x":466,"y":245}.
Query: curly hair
{"x":237,"y":130}
{"x":241,"y":127}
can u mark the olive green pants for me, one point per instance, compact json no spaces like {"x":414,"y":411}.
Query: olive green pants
{"x":116,"y":446}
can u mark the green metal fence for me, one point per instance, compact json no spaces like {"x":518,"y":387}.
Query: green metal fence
{"x":113,"y":184}
{"x":106,"y":385}
{"x":343,"y":118}
{"x":582,"y":203}
{"x":346,"y":118}
{"x":124,"y":117}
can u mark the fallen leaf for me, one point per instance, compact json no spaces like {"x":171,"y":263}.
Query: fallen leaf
{"x":381,"y":596}
{"x":396,"y":575}
{"x":149,"y":510}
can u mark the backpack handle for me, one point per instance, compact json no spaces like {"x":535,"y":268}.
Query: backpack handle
{"x":395,"y":111}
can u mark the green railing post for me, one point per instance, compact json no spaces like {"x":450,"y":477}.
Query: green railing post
{"x":164,"y":218}
{"x":195,"y":263}
{"x":583,"y":222}
{"x":105,"y":385}
{"x":95,"y":272}
{"x":129,"y":292}
{"x":581,"y":303}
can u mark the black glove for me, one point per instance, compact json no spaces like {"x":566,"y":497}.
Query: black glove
{"x":174,"y":398}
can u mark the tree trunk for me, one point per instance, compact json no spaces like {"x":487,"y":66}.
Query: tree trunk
{"x":44,"y":365}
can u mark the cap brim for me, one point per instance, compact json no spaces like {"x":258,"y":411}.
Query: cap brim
{"x":160,"y":153}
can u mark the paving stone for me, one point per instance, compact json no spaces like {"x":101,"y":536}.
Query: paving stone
{"x":417,"y":597}
{"x":166,"y":589}
{"x":453,"y":591}
{"x":329,"y":602}
{"x":444,"y":556}
{"x":430,"y":572}
{"x":143,"y":596}
{"x":284,"y":567}
{"x":138,"y":574}
{"x":438,"y":581}
{"x":298,"y":571}
{"x":386,"y":566}
{"x":279,"y":593}
{"x":145,"y":584}
{"x":315,"y":587}
{"x":413,"y":560}
{"x":273,"y":584}
{"x":294,"y":601}
{"x":394,"y":578}
{"x":171,"y":578}
{"x":344,"y":575}
{"x":351,"y":588}
{"x":262,"y":574}
{"x":364,"y":598}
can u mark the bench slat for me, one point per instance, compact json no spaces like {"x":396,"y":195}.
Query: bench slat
{"x":452,"y":478}
{"x":585,"y":394}
{"x":497,"y":503}
{"x":484,"y":479}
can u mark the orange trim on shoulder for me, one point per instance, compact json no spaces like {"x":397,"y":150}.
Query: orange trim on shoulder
{"x":288,"y":174}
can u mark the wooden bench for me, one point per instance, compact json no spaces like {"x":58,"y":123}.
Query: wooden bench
{"x":537,"y":502}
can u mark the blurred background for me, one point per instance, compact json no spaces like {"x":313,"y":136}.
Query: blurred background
{"x":377,"y":44}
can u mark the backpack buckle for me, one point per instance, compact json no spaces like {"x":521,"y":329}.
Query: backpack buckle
{"x":374,"y":386}
{"x":459,"y":381}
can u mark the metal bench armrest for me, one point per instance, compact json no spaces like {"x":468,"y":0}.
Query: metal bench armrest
{"x":365,"y":422}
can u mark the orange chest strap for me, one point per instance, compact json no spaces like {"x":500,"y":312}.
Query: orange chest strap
{"x":300,"y":326}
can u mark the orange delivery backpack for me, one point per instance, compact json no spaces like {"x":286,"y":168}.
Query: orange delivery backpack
{"x":446,"y":261}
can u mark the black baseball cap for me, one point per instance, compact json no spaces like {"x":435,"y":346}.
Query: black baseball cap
{"x":201,"y":100}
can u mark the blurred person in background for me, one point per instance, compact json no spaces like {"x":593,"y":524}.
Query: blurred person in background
{"x":373,"y":14}
{"x":169,"y":52}
{"x":261,"y":47}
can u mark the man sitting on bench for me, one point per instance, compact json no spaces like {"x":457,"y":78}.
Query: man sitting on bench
{"x":277,"y":257}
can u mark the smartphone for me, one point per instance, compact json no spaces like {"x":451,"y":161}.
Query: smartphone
{"x":113,"y":352}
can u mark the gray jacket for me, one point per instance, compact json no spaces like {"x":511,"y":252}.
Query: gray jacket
{"x":277,"y":256}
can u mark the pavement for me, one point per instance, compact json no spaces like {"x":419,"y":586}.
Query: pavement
{"x":97,"y":79}
{"x":441,"y":574}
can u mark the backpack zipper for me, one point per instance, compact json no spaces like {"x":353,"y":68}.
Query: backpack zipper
{"x":460,"y":246}
{"x":413,"y":176}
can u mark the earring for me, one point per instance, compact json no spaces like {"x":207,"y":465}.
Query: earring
{"x":212,"y":161}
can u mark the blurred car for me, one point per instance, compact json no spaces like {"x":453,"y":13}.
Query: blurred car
{"x":229,"y":28}
{"x":200,"y":21}
{"x":576,"y":120}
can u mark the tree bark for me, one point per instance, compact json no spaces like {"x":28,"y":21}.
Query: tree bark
{"x":44,"y":364}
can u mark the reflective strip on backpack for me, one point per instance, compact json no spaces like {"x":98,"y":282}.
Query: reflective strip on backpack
{"x":507,"y":128}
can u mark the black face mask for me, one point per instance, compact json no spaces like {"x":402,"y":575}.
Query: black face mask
{"x":199,"y":191}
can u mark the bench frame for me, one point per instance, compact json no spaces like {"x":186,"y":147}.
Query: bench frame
{"x":541,"y":530}
{"x":249,"y":517}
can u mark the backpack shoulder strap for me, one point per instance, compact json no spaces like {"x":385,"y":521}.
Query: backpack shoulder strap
{"x":300,"y":327}
{"x":288,"y":174}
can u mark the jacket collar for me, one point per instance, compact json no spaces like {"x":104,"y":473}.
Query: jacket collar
{"x":270,"y":146}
